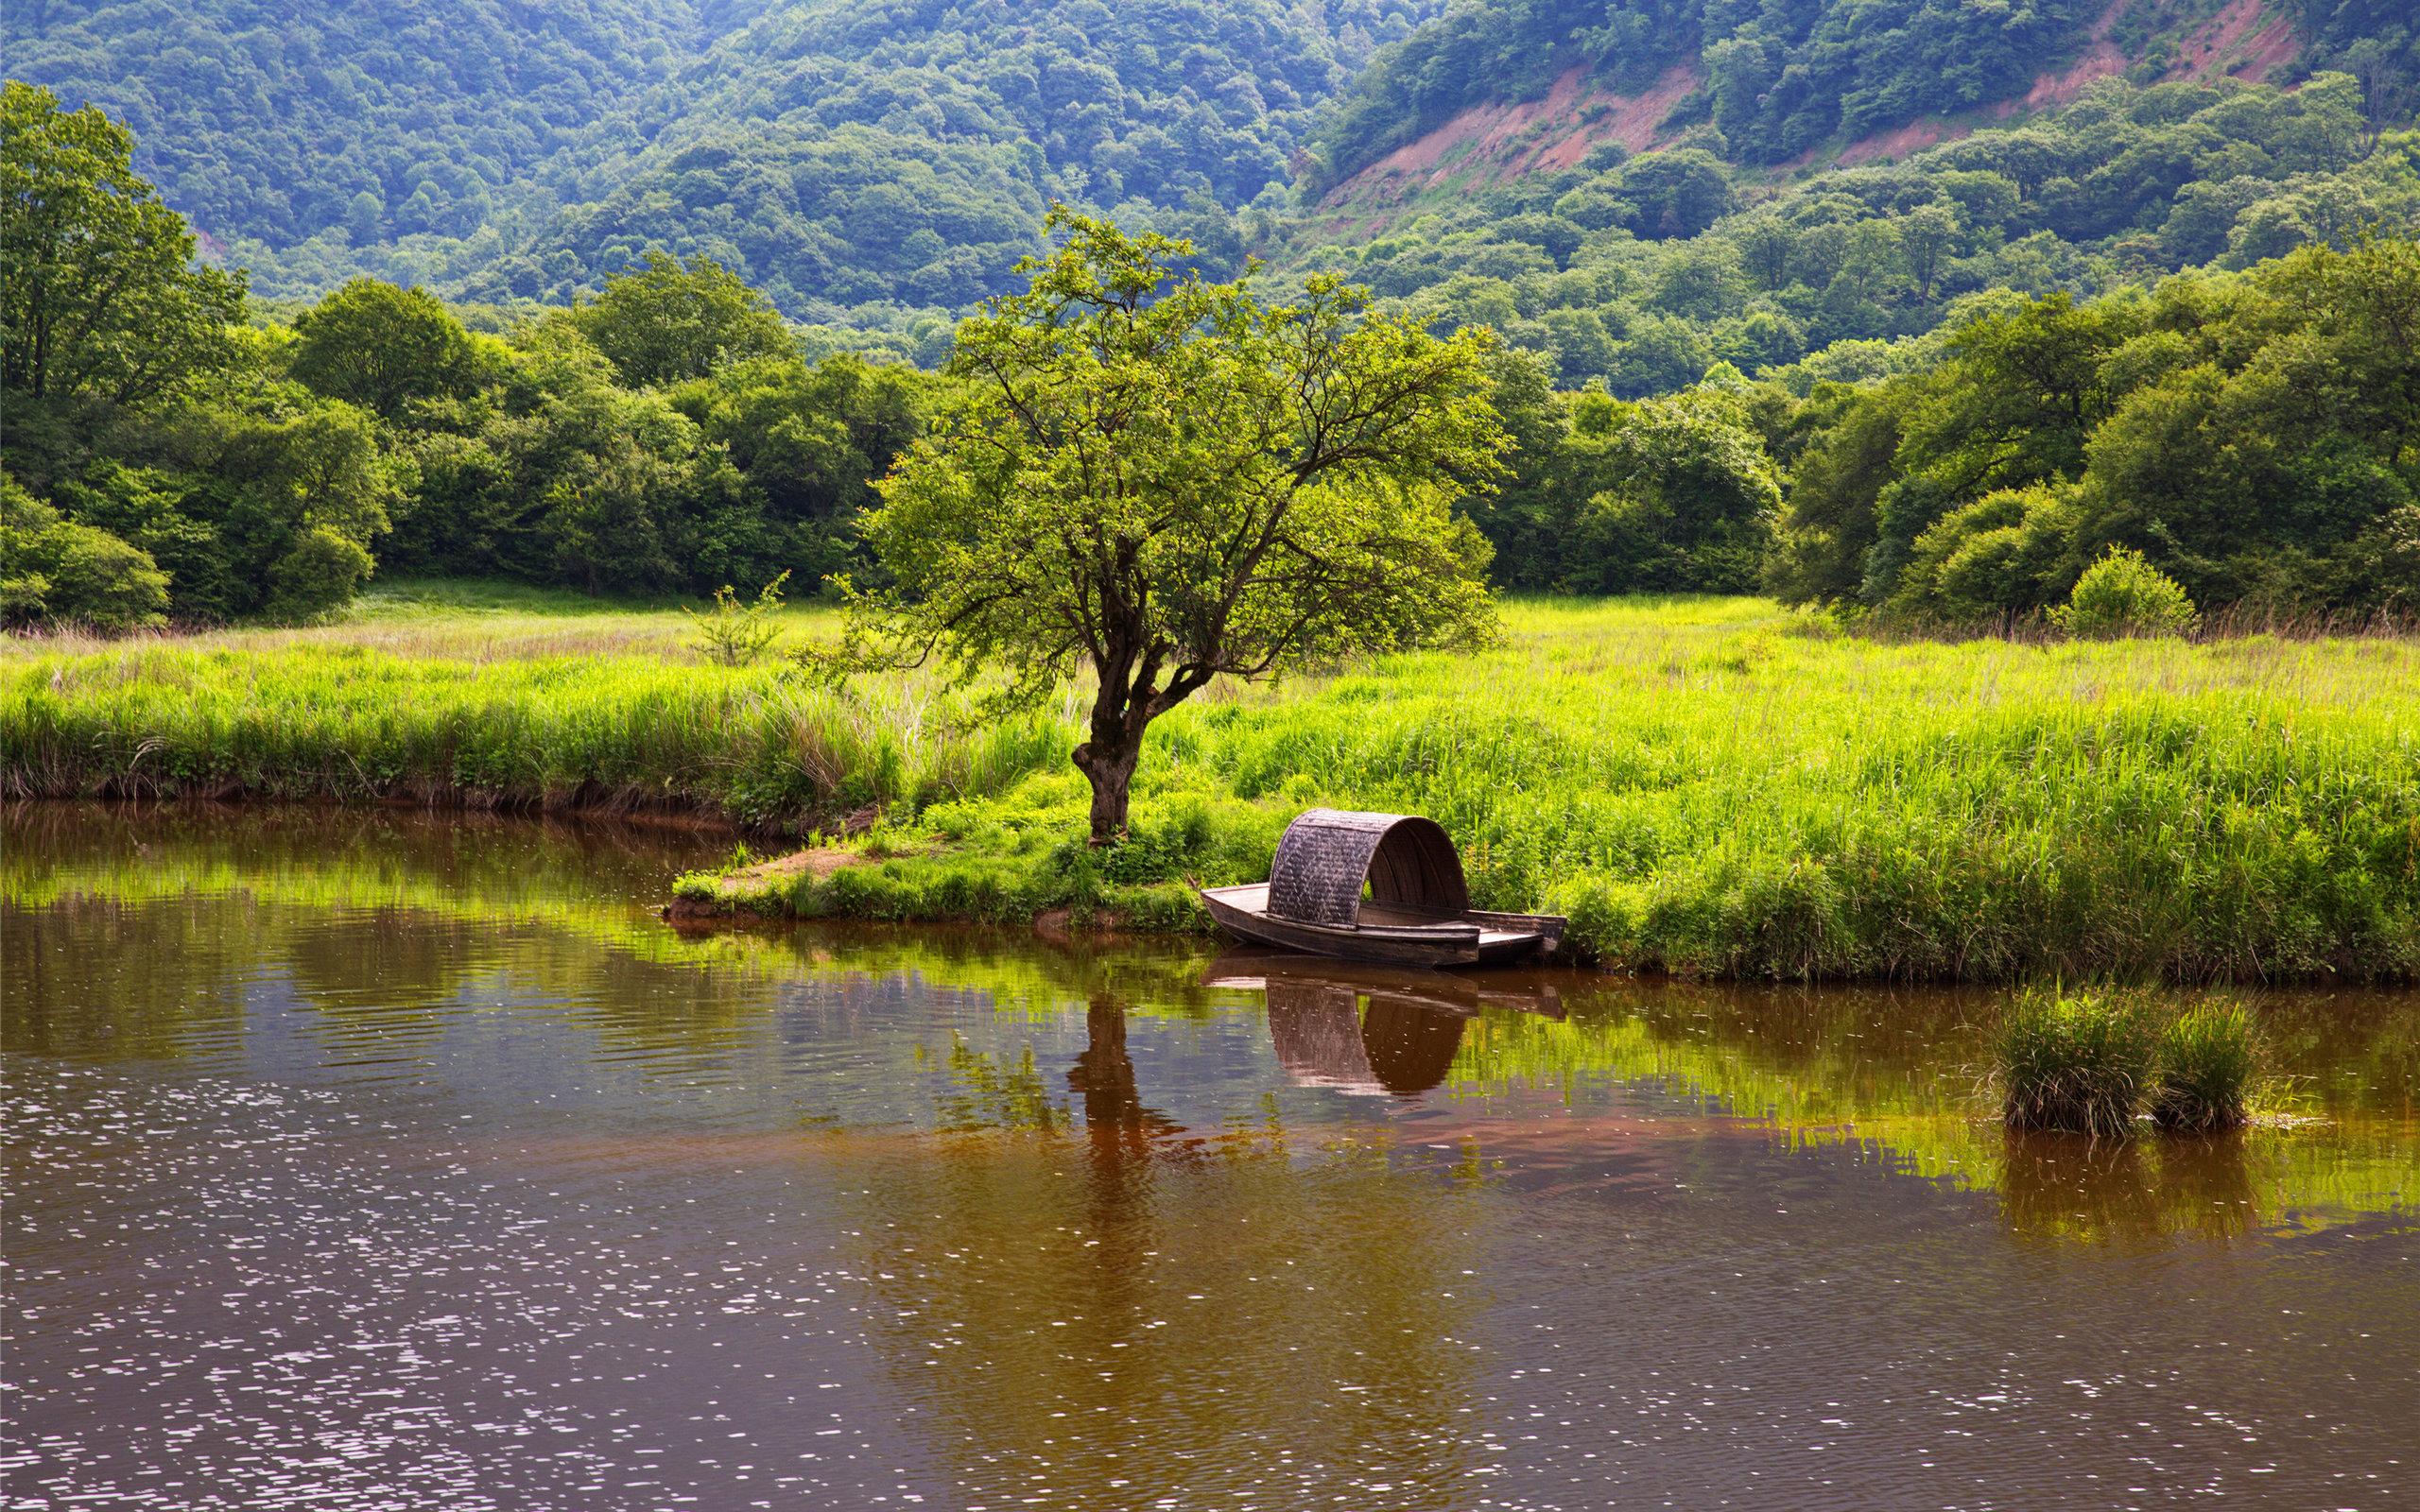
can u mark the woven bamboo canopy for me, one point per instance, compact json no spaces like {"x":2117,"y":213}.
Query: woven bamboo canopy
{"x":1408,"y":863}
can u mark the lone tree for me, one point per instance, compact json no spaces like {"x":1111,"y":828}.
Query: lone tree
{"x":1163,"y":480}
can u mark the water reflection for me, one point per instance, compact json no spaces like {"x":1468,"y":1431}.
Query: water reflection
{"x":1103,"y":1077}
{"x":350,"y":1105}
{"x":1404,"y":1042}
{"x":2130,"y":1193}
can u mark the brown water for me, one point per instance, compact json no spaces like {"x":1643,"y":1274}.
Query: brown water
{"x":355,"y":1160}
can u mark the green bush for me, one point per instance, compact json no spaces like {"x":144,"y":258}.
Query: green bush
{"x":2079,"y":1064}
{"x":2208,"y":1058}
{"x":319,"y":574}
{"x":736,"y":634}
{"x":52,"y":569}
{"x":2122,"y":595}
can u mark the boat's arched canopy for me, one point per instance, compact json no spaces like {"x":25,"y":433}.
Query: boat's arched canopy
{"x":1326,"y":856}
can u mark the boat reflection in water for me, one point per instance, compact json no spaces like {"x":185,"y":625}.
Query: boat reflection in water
{"x":1401,"y":1043}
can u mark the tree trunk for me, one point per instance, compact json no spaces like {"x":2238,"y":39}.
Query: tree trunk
{"x":1110,"y":764}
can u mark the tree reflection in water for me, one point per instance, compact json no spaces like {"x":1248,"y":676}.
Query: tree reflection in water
{"x":1104,"y":1316}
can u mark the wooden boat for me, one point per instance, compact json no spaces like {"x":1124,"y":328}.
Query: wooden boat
{"x":1385,"y":887}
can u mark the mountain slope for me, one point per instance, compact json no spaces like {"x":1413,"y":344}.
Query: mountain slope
{"x":839,"y":153}
{"x":856,"y":153}
{"x":1790,"y":83}
{"x":878,"y":164}
{"x":1777,"y":80}
{"x":381,"y":117}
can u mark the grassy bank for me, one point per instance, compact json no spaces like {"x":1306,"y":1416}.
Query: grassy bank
{"x":448,"y":696}
{"x":1707,"y":786}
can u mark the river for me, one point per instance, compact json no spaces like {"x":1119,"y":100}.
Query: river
{"x":365,"y":1160}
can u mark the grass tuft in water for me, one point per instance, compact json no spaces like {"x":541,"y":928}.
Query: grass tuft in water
{"x":2208,"y":1058}
{"x":2078,"y":1064}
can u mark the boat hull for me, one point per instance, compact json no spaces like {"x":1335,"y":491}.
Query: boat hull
{"x":1475,"y":939}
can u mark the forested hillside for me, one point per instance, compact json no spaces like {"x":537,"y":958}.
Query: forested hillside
{"x":855,"y":159}
{"x":876,"y":168}
{"x":1780,"y":81}
{"x":175,"y":450}
{"x":1643,"y":271}
{"x":1938,"y":380}
{"x":269,"y":125}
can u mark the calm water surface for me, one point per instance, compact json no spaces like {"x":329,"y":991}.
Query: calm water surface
{"x":363,"y":1161}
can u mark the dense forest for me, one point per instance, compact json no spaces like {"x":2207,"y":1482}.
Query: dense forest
{"x":640,"y":299}
{"x":861,"y":162}
{"x":174,"y":449}
{"x":1778,"y":81}
{"x":165,"y":456}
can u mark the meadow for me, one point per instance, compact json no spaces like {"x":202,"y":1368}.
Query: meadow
{"x":1712,"y":787}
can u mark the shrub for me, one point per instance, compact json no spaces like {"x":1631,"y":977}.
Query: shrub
{"x":2208,"y":1058}
{"x":2078,"y":1064}
{"x":55,"y":569}
{"x":2122,"y":595}
{"x":734,"y":635}
{"x":319,"y":574}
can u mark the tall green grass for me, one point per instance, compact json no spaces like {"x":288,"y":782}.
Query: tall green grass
{"x":2079,"y":1065}
{"x":1710,"y":787}
{"x":2092,"y":1062}
{"x":760,"y":745}
{"x":2208,"y":1058}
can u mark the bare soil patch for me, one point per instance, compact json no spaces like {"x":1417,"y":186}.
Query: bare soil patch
{"x":1498,"y":141}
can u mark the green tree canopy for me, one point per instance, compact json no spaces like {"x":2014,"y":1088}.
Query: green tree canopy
{"x":673,"y":321}
{"x":101,"y":299}
{"x":381,"y":347}
{"x":1161,"y":480}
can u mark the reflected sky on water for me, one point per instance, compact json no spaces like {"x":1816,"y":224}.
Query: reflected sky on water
{"x":358,"y":1159}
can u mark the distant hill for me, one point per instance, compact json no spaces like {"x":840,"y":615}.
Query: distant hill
{"x":1517,"y":84}
{"x":269,"y":124}
{"x":837,"y":153}
{"x":881,"y":165}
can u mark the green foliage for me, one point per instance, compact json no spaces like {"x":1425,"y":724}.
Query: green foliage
{"x":169,"y":439}
{"x":808,"y":442}
{"x":2208,"y":1058}
{"x":853,"y":156}
{"x":351,"y":120}
{"x":1670,"y":495}
{"x":1643,"y":272}
{"x":265,"y":499}
{"x":2079,"y":1064}
{"x":53,"y":569}
{"x":102,"y":304}
{"x":381,"y":347}
{"x":1163,"y":481}
{"x":736,"y":634}
{"x":672,"y":322}
{"x":317,"y":573}
{"x":2246,"y":436}
{"x":2123,"y":594}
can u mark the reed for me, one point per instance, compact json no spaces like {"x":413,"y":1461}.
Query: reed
{"x":2076,"y":1064}
{"x":2208,"y":1058}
